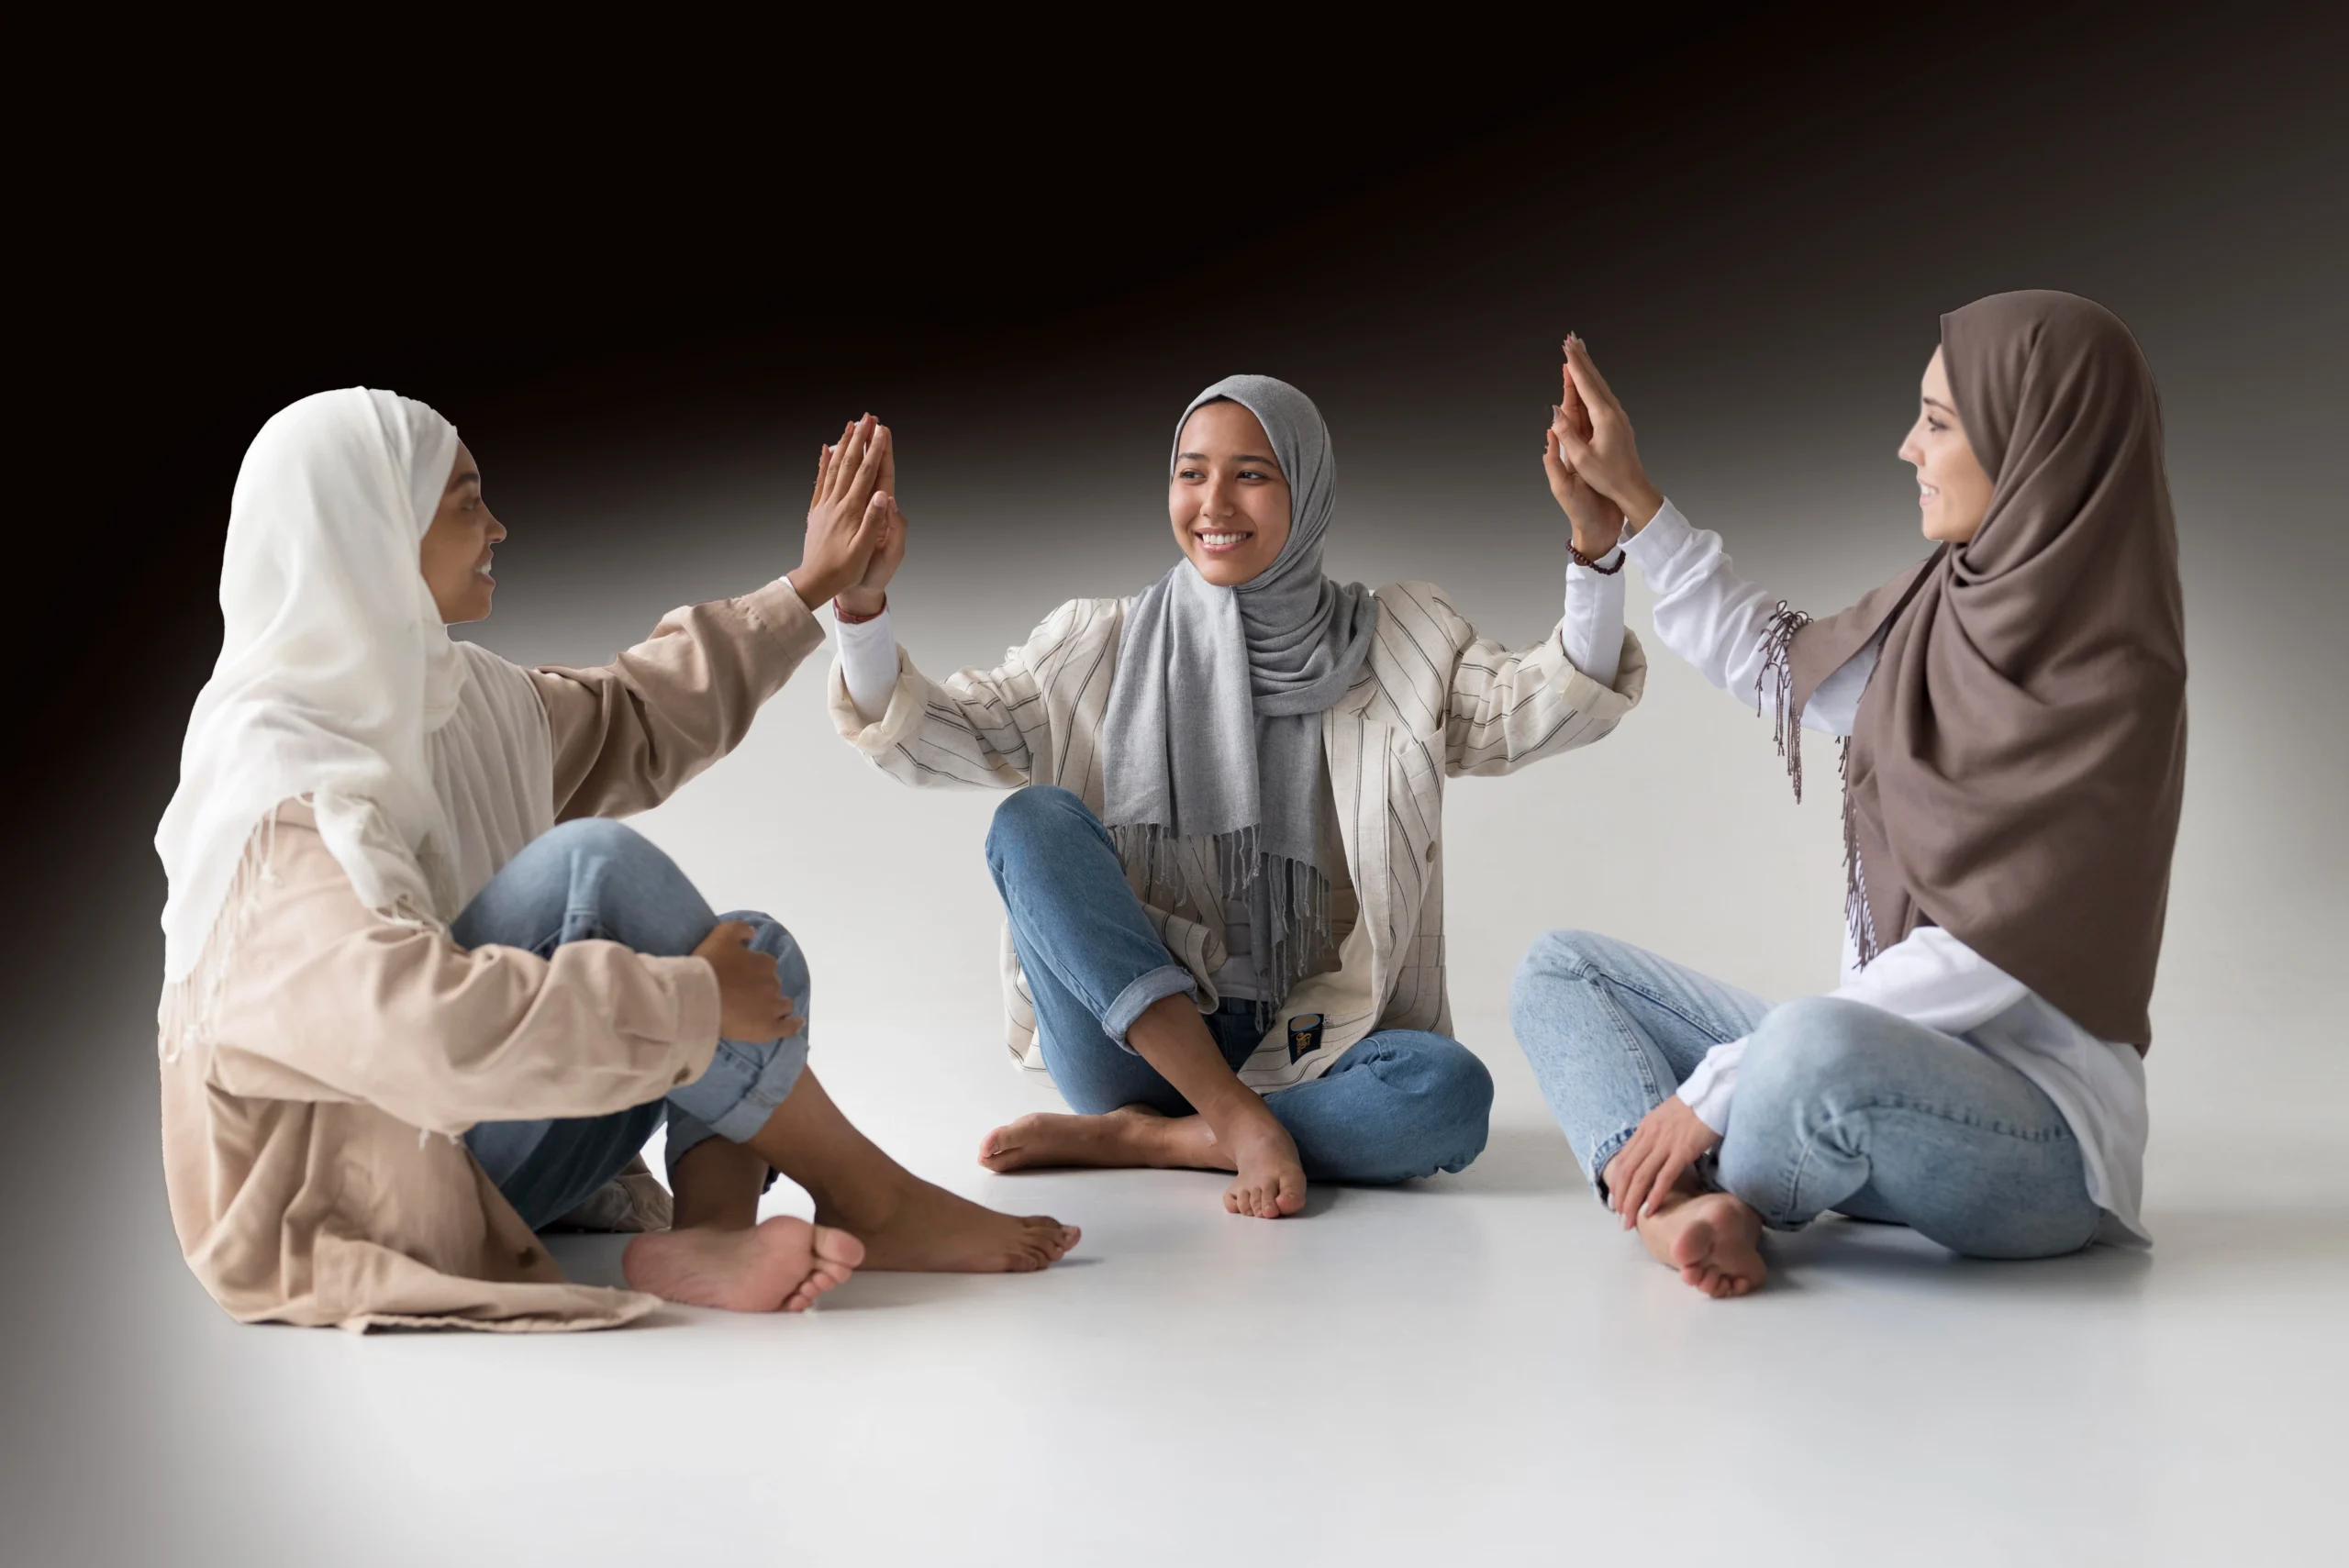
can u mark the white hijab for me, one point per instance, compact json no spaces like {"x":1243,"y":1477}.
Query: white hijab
{"x":427,"y":761}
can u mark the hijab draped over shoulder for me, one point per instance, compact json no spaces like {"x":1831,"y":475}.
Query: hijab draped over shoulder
{"x":427,"y":761}
{"x":2016,"y":769}
{"x":1213,"y":729}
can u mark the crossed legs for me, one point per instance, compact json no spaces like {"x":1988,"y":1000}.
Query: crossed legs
{"x":756,"y":1109}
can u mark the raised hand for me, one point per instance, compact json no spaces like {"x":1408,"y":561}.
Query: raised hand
{"x":1608,"y":459}
{"x":848,"y":512}
{"x":1598,"y":521}
{"x":870,"y":594}
{"x":751,"y":1006}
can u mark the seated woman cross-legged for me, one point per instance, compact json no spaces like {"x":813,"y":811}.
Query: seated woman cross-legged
{"x":421,"y":999}
{"x":2013,"y":713}
{"x":1221,"y":865}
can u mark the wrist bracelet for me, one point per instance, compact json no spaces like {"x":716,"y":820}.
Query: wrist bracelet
{"x":850,"y":617}
{"x":1581,"y":560}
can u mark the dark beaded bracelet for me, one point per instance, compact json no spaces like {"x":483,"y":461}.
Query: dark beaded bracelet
{"x":1582,"y":560}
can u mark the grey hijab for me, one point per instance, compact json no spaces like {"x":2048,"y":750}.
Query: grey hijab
{"x":1213,"y":730}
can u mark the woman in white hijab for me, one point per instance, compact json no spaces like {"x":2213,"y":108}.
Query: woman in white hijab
{"x":1222,"y":877}
{"x":420,"y":998}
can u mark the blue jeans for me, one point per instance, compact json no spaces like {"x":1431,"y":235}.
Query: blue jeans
{"x":595,"y":880}
{"x":1401,"y":1103}
{"x":1838,"y":1106}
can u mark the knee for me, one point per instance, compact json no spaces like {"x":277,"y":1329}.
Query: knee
{"x":1555,"y":982}
{"x":1808,"y":1049}
{"x":1036,"y":812}
{"x":771,"y":935}
{"x":1450,"y":1085}
{"x":1562,"y":955}
{"x":600,"y":838}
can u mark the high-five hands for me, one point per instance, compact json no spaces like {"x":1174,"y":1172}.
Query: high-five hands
{"x":1593,"y":440}
{"x":850,"y":513}
{"x":870,"y":593}
{"x":1598,"y":521}
{"x":751,"y":1006}
{"x":1665,"y":1146}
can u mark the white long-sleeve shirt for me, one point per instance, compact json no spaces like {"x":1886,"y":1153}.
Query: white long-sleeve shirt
{"x":1592,"y":631}
{"x":1715,"y":619}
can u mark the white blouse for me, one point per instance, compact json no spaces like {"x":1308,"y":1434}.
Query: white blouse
{"x":1715,"y":619}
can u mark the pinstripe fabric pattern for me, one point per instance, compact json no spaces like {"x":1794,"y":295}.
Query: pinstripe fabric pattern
{"x":1433,"y":700}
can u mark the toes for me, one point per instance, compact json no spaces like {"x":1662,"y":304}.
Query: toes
{"x":1292,"y":1192}
{"x":835,"y":1246}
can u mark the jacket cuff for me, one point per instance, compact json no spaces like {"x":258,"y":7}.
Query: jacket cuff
{"x":693,"y":985}
{"x":777,"y":610}
{"x":907,"y":704}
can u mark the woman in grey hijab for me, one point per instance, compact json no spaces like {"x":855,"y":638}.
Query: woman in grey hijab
{"x":1221,"y":869}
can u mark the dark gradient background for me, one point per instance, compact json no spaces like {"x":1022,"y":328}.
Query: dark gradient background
{"x":644,"y":335}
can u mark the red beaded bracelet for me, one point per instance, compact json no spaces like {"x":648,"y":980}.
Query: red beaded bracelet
{"x":850,"y":617}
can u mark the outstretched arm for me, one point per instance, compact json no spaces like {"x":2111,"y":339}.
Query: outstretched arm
{"x":1705,"y":611}
{"x":628,"y":734}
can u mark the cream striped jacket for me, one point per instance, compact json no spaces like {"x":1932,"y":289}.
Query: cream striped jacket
{"x":1432,"y":700}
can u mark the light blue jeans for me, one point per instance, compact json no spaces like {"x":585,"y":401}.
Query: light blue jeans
{"x":1838,"y":1105}
{"x":1401,"y":1103}
{"x":595,"y":880}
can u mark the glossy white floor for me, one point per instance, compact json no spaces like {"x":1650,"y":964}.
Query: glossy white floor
{"x":1477,"y":1370}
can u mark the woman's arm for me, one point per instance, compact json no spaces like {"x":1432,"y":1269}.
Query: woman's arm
{"x":985,"y":728}
{"x":1705,"y":612}
{"x":1507,"y":707}
{"x":626,"y":735}
{"x":322,"y":999}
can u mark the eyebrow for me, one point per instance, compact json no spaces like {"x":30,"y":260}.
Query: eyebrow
{"x":458,"y":481}
{"x":1237,"y":457}
{"x":1937,"y":402}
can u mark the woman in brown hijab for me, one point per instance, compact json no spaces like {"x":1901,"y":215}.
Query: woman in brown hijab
{"x":2013,"y":713}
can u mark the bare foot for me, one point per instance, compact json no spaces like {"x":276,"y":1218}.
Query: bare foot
{"x":1130,"y":1135}
{"x":1713,"y":1239}
{"x":782,"y":1265}
{"x":927,"y":1229}
{"x":1270,"y":1181}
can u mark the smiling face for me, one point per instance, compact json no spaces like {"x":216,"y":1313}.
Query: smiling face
{"x":456,"y":551}
{"x":1227,"y":499}
{"x":1951,"y":487}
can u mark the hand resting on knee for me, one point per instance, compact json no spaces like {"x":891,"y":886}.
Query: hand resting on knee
{"x":751,"y":1006}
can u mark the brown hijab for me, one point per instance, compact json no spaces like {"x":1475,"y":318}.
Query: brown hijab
{"x":2015,"y":772}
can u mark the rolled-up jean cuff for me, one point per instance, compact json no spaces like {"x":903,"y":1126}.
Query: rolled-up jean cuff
{"x":1165,"y":981}
{"x":743,"y":1085}
{"x":1599,"y":1156}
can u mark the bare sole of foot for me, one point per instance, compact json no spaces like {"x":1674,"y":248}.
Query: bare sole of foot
{"x":931,"y":1230}
{"x":1713,"y":1239}
{"x":780,"y":1265}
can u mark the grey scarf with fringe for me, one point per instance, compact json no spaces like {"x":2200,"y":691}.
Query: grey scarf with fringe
{"x":1213,"y":729}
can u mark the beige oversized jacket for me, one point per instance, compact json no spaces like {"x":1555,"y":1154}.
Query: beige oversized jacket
{"x":1433,"y":700}
{"x":309,"y":1130}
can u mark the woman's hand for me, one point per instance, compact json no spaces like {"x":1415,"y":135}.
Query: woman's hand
{"x":751,"y":1006}
{"x":1668,"y":1141}
{"x":1608,"y":458}
{"x":870,"y":595}
{"x":847,"y":515}
{"x":1598,"y":521}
